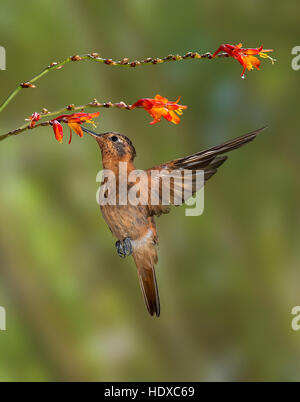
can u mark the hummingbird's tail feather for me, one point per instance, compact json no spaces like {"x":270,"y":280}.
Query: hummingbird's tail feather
{"x":150,"y":290}
{"x":147,"y":278}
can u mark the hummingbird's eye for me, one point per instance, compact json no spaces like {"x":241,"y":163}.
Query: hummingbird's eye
{"x":114,"y":138}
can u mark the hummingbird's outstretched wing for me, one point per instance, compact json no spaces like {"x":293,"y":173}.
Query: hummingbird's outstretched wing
{"x":204,"y":163}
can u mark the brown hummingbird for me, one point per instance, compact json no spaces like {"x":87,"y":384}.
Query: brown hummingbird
{"x":134,"y":225}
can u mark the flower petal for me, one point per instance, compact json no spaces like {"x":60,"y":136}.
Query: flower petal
{"x":159,"y":98}
{"x":174,"y":117}
{"x":252,"y":50}
{"x":165,"y":113}
{"x":77,"y":128}
{"x":58,"y":130}
{"x":251,"y":61}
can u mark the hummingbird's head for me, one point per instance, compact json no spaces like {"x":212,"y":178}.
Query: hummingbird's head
{"x":114,"y":145}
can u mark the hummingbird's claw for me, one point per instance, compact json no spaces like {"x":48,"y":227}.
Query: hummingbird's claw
{"x":124,"y":248}
{"x":120,"y":250}
{"x":127,"y":246}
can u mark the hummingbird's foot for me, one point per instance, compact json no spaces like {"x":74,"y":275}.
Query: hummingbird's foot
{"x":127,"y":246}
{"x":124,"y":248}
{"x":120,"y":249}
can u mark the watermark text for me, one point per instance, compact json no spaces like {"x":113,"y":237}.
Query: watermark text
{"x":296,"y":59}
{"x":2,"y":319}
{"x":296,"y":320}
{"x":153,"y":188}
{"x":2,"y":58}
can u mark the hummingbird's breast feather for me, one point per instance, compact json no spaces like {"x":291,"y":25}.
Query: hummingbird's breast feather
{"x":128,"y":221}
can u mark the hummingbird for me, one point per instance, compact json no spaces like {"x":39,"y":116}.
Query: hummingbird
{"x":134,"y":226}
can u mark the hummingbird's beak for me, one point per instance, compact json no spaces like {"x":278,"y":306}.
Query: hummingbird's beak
{"x":92,"y":133}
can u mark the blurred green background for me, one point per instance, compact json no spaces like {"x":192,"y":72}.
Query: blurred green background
{"x":228,"y":279}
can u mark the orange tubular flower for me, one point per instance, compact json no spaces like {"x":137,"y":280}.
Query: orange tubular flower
{"x":245,"y":56}
{"x":74,"y":121}
{"x":161,"y":107}
{"x":58,"y":130}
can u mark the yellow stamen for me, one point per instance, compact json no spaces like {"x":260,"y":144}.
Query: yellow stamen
{"x":266,"y":56}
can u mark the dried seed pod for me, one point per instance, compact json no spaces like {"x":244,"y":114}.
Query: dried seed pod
{"x":94,"y":103}
{"x":76,"y":58}
{"x":125,"y":60}
{"x":27,"y":85}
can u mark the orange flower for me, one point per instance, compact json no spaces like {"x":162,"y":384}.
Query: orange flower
{"x":33,"y":119}
{"x":74,"y":121}
{"x":245,"y":56}
{"x":58,"y":130}
{"x":161,"y":107}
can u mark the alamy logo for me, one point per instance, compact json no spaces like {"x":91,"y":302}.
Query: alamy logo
{"x":2,"y":58}
{"x":156,"y":188}
{"x":2,"y":319}
{"x":296,"y":59}
{"x":296,"y":320}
